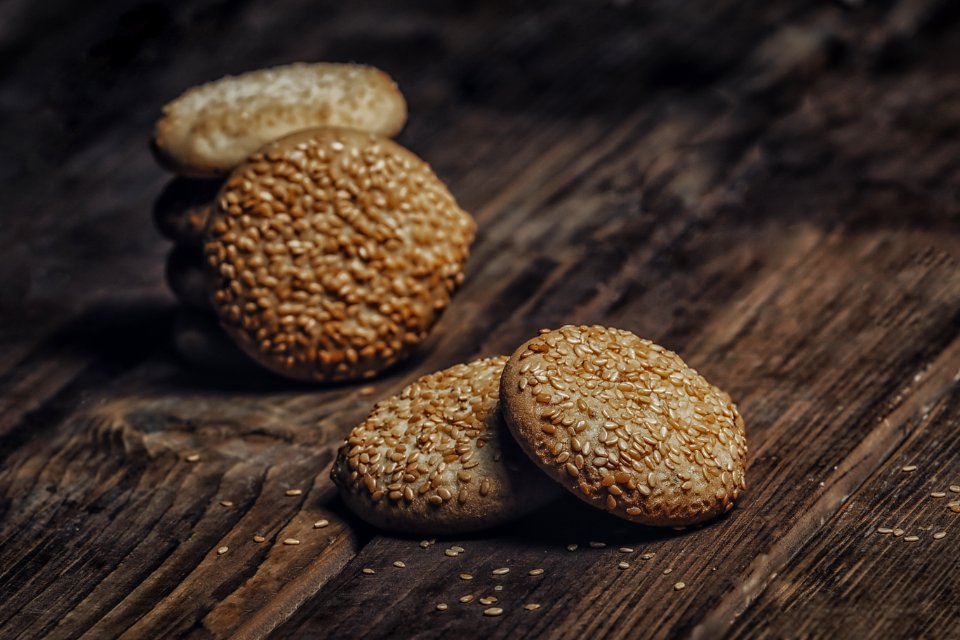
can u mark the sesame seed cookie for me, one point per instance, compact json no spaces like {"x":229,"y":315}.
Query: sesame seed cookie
{"x":334,"y":252}
{"x":183,"y":207}
{"x":437,"y":458}
{"x":625,"y":425}
{"x":213,"y":127}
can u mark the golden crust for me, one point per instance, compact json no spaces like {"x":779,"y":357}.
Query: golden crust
{"x":437,"y":458}
{"x":213,"y":127}
{"x":625,"y":425}
{"x":333,"y":253}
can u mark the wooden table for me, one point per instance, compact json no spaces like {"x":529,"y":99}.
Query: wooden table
{"x":772,"y":189}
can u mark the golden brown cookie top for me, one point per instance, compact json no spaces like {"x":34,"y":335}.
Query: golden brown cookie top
{"x":625,"y":425}
{"x":334,"y":253}
{"x":437,"y":458}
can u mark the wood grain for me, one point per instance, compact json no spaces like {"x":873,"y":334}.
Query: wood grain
{"x":772,"y":190}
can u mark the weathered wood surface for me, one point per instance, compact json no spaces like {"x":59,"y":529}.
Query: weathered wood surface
{"x":771,"y":190}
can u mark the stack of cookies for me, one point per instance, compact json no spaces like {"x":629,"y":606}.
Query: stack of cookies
{"x":324,"y":250}
{"x":620,"y":422}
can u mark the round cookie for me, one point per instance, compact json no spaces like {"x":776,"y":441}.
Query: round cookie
{"x":334,"y":252}
{"x":625,"y":425}
{"x":437,"y":458}
{"x":183,"y":207}
{"x":213,"y":127}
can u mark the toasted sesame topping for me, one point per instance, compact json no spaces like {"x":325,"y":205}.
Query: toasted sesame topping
{"x":293,"y":492}
{"x":226,"y":503}
{"x":193,"y":457}
{"x":436,"y":447}
{"x":368,"y":571}
{"x":940,"y":535}
{"x":493,"y":611}
{"x":258,"y":539}
{"x":442,"y":606}
{"x":399,"y":564}
{"x":501,"y":571}
{"x":320,"y":524}
{"x":291,"y":541}
{"x":467,"y":598}
{"x":626,"y":425}
{"x":334,"y":252}
{"x":908,"y":468}
{"x":679,"y":586}
{"x":533,"y":606}
{"x":535,"y":572}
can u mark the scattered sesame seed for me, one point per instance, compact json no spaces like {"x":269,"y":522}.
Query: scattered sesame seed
{"x":911,"y":538}
{"x":623,"y":565}
{"x":498,"y":587}
{"x":502,"y":571}
{"x":368,"y":571}
{"x":667,"y":571}
{"x":493,"y":611}
{"x":679,"y":586}
{"x":424,"y":544}
{"x":954,"y":506}
{"x":884,"y":530}
{"x":488,"y":600}
{"x":293,"y":492}
{"x":625,"y":550}
{"x":399,"y":564}
{"x":898,"y":532}
{"x":647,"y":555}
{"x":450,"y":553}
{"x":226,"y":503}
{"x":367,"y":391}
{"x":533,"y":606}
{"x":908,"y":468}
{"x":938,"y":494}
{"x":441,"y":606}
{"x":222,"y":550}
{"x":193,"y":457}
{"x":467,"y":598}
{"x":955,"y":488}
{"x":258,"y":539}
{"x":466,"y":576}
{"x":320,"y":524}
{"x":457,"y":549}
{"x":291,"y":541}
{"x":535,"y":572}
{"x":940,"y":535}
{"x":597,"y":545}
{"x":571,"y":547}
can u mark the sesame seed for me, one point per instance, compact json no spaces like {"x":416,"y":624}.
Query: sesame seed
{"x":467,"y":598}
{"x":884,"y":530}
{"x":291,"y":541}
{"x":938,"y":494}
{"x":908,"y":468}
{"x":498,"y":587}
{"x":399,"y":564}
{"x":940,"y":535}
{"x":488,"y":600}
{"x":625,"y":550}
{"x":501,"y":571}
{"x":450,"y":553}
{"x":647,"y":555}
{"x":493,"y":611}
{"x":898,"y":532}
{"x":667,"y":571}
{"x":911,"y":538}
{"x":597,"y":545}
{"x":571,"y":547}
{"x":533,"y":606}
{"x":954,"y":506}
{"x":623,"y":565}
{"x":679,"y":586}
{"x":320,"y":524}
{"x":955,"y":488}
{"x":226,"y":503}
{"x":368,"y":571}
{"x":424,"y":544}
{"x":222,"y":550}
{"x":535,"y":572}
{"x":366,"y":391}
{"x":258,"y":539}
{"x":193,"y":457}
{"x":466,"y":576}
{"x":457,"y":549}
{"x":294,"y":492}
{"x":442,"y":606}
